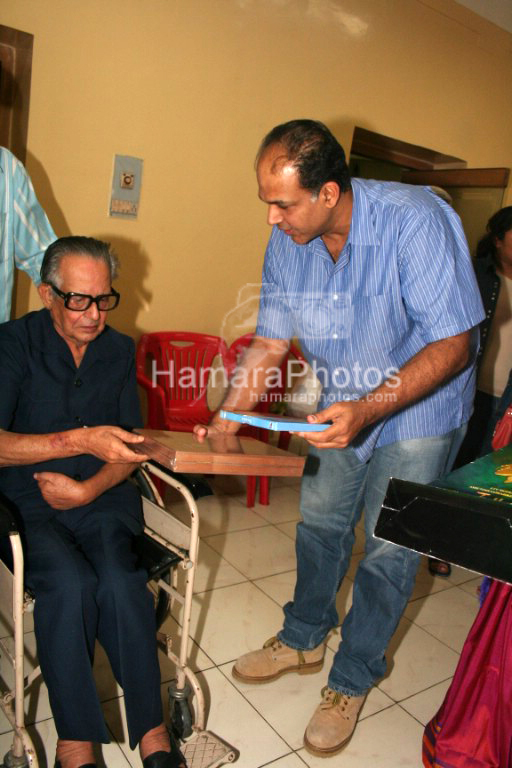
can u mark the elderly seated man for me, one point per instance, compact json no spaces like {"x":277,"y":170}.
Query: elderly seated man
{"x":66,"y":374}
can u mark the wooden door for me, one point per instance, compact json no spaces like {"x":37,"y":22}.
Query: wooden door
{"x":476,"y":194}
{"x":15,"y":74}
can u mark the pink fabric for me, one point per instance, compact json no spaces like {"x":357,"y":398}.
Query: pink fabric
{"x":503,"y":432}
{"x":473,"y":728}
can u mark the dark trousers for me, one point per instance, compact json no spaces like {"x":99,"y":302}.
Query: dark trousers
{"x":88,"y":586}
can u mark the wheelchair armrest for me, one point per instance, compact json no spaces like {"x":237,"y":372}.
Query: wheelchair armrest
{"x":8,"y":522}
{"x":196,"y":484}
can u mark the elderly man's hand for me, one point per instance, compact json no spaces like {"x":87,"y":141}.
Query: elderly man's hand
{"x":109,"y":444}
{"x":61,"y":491}
{"x":348,"y":419}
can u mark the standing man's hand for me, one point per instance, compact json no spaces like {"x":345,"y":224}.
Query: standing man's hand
{"x":248,"y":383}
{"x":348,"y":419}
{"x":202,"y":431}
{"x":429,"y":368}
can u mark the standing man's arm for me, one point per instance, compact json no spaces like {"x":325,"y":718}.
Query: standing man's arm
{"x":26,"y":231}
{"x":32,"y":230}
{"x":249,"y":381}
{"x":441,"y":297}
{"x":429,"y":368}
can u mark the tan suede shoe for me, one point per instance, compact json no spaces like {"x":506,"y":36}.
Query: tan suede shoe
{"x":274,"y":659}
{"x":333,"y":722}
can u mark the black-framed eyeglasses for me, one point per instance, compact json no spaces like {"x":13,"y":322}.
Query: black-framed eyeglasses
{"x":79,"y":302}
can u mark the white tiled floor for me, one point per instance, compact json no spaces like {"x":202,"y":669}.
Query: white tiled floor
{"x":246,"y":572}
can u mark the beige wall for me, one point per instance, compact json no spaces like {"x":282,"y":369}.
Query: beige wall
{"x":191,"y":86}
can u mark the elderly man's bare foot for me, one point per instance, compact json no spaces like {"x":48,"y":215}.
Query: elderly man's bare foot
{"x":74,"y":754}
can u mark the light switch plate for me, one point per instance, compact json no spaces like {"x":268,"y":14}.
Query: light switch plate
{"x":126,"y":185}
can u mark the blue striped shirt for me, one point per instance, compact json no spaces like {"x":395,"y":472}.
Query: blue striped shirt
{"x":404,"y":279}
{"x":25,"y":231}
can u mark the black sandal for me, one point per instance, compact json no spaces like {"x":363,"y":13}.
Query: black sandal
{"x":172,"y":759}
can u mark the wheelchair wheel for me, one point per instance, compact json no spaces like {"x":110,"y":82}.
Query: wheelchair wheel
{"x":15,"y":762}
{"x":181,"y":711}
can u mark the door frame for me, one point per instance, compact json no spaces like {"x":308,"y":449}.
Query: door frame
{"x":16,"y":49}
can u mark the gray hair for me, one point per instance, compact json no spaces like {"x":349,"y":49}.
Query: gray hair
{"x":77,"y":244}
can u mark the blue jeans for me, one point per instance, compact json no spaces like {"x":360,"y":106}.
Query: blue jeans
{"x":332,"y":500}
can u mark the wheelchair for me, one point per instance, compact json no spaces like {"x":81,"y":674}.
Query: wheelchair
{"x":167,"y":547}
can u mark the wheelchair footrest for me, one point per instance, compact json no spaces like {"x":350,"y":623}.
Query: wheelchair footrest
{"x":205,"y":750}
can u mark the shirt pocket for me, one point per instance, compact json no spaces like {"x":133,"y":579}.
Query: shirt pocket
{"x":376,"y":323}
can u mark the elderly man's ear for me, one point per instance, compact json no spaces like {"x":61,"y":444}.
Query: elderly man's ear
{"x":46,"y":294}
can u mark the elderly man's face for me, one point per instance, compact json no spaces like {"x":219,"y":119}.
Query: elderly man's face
{"x":80,"y":274}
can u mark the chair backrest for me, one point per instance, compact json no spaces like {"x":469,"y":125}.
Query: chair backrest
{"x":174,"y":367}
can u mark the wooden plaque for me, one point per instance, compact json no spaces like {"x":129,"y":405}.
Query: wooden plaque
{"x":217,"y":455}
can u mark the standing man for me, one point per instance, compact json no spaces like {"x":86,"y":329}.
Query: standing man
{"x":65,"y":375}
{"x":25,"y":231}
{"x":376,"y":281}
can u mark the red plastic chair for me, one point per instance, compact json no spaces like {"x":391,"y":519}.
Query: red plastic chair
{"x":274,"y":396}
{"x":174,"y":369}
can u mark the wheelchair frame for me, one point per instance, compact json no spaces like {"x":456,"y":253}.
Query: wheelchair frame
{"x":201,"y":748}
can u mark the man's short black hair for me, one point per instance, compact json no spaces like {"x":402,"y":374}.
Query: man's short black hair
{"x":313,"y":150}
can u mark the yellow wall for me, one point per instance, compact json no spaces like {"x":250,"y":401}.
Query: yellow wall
{"x":191,"y":86}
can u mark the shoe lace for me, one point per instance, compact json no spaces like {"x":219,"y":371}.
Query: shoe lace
{"x":273,"y":643}
{"x":332,"y":698}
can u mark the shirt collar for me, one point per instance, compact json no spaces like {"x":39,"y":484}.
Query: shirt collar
{"x":362,"y":227}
